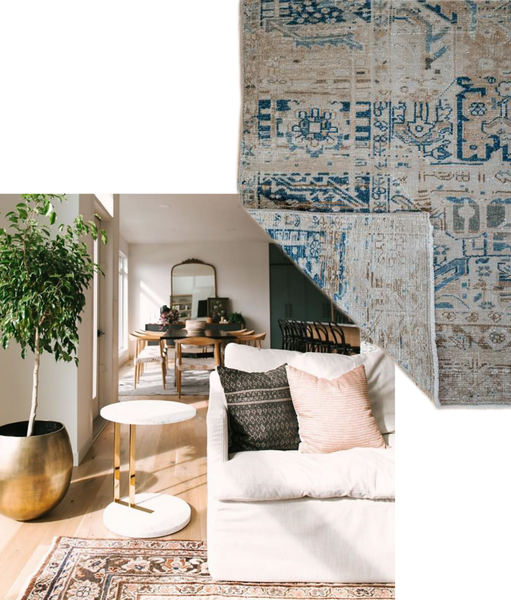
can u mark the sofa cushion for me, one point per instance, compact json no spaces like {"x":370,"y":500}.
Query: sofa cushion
{"x":379,"y":367}
{"x":333,"y":414}
{"x":260,"y":411}
{"x":248,"y":358}
{"x":362,"y":473}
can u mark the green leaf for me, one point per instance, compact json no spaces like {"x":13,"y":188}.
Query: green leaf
{"x":44,"y":271}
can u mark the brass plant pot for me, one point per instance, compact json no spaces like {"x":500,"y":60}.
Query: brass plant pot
{"x":35,"y":471}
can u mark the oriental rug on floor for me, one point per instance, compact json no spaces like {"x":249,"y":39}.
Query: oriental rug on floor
{"x":158,"y":570}
{"x":401,"y":107}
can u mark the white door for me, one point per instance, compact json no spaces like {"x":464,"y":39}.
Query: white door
{"x":96,"y":349}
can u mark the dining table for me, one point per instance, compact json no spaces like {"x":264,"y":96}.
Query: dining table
{"x":171,"y":335}
{"x":215,"y":334}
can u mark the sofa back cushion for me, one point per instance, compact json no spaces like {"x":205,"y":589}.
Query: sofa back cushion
{"x":378,"y":366}
{"x":259,"y":410}
{"x":333,"y":414}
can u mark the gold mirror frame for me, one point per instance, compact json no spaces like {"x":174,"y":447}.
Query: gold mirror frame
{"x":192,"y":261}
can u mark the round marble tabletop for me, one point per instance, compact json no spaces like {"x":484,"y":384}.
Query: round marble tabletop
{"x":147,"y":412}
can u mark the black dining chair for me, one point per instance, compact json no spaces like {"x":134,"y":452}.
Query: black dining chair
{"x":337,"y":339}
{"x":292,"y":339}
{"x":304,"y":337}
{"x":321,"y":341}
{"x":297,"y":336}
{"x":309,"y":336}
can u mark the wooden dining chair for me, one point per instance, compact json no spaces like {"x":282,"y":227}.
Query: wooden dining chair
{"x":147,"y":332}
{"x":196,"y":364}
{"x":145,"y":354}
{"x":242,"y":333}
{"x":252,"y":340}
{"x":155,"y":337}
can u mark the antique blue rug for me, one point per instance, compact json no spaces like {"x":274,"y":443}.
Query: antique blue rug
{"x":363,"y":264}
{"x":402,"y":108}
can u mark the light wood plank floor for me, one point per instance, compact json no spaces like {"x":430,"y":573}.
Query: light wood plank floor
{"x":170,"y":459}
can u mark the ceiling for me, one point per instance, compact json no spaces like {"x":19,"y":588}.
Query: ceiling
{"x":175,"y":218}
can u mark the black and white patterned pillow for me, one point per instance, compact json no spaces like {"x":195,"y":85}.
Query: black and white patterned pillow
{"x":260,"y":410}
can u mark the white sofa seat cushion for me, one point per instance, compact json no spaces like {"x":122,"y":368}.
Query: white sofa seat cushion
{"x":379,"y":368}
{"x":267,"y":475}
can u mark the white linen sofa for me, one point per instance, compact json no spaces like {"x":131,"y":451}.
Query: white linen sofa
{"x":285,"y":516}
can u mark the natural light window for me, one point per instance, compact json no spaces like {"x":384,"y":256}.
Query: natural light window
{"x":107,"y":200}
{"x":123,"y":302}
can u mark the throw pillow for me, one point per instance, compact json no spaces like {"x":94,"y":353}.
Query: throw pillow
{"x":260,"y":411}
{"x":333,"y":414}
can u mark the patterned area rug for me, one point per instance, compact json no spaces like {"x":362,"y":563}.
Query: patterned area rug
{"x":158,"y":570}
{"x":363,"y":264}
{"x":194,"y":383}
{"x":398,"y":106}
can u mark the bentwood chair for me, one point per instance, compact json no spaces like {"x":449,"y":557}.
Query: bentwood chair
{"x":156,"y":336}
{"x":145,"y":354}
{"x":283,"y":331}
{"x":196,"y":364}
{"x":321,"y":340}
{"x":252,"y":340}
{"x":337,"y":339}
{"x":309,"y":340}
{"x":303,"y":338}
{"x":299,"y":335}
{"x":242,"y":333}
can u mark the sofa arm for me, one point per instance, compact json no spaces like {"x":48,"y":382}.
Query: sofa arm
{"x":218,"y":443}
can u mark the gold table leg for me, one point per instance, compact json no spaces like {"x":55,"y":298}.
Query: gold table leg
{"x":133,"y":439}
{"x":117,"y":462}
{"x":132,"y":471}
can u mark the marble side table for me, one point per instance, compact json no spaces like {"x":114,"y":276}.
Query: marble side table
{"x":143,"y":515}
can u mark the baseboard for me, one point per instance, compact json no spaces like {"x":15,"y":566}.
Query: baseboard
{"x":97,"y":427}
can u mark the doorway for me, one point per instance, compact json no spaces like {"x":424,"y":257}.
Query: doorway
{"x":104,"y":322}
{"x":98,"y":300}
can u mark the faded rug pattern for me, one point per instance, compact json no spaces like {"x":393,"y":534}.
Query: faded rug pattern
{"x":363,"y":264}
{"x":157,"y":570}
{"x":396,"y":106}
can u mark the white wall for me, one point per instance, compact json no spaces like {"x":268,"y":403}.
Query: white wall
{"x":124,"y":247}
{"x":65,"y":391}
{"x":242,"y":271}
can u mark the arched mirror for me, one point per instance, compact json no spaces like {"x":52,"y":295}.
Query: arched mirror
{"x":192,"y":282}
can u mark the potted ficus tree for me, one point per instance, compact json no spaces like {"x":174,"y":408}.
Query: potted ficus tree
{"x":44,"y":271}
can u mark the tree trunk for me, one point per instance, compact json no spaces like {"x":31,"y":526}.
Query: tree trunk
{"x":35,"y":385}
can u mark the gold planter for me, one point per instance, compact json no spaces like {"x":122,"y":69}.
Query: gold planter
{"x":35,"y":471}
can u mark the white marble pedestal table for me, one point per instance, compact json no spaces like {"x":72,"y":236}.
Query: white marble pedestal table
{"x":143,"y":515}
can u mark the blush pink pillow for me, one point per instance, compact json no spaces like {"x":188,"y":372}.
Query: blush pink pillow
{"x":333,"y":414}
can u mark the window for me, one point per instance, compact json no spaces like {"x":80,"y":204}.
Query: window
{"x":123,"y":302}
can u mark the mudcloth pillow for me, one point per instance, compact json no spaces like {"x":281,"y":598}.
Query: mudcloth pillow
{"x":260,"y":411}
{"x":334,"y":414}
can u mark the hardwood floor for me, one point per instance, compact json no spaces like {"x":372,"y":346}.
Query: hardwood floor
{"x":170,"y":459}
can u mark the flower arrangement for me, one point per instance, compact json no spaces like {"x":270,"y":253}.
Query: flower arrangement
{"x":168,"y":316}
